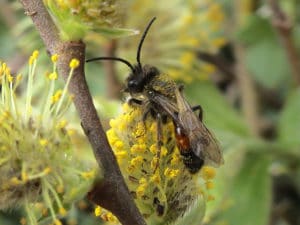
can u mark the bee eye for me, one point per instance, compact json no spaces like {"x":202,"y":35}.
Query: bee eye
{"x":132,"y":84}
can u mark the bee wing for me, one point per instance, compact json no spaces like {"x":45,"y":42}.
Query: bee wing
{"x":167,"y":105}
{"x":206,"y":146}
{"x":203,"y":142}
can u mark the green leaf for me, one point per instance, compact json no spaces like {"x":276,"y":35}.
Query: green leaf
{"x":247,"y":199}
{"x":116,"y":32}
{"x":256,"y":29}
{"x":267,"y":63}
{"x":289,"y":123}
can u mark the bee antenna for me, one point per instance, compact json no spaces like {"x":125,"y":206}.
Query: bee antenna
{"x":138,"y":56}
{"x":115,"y":59}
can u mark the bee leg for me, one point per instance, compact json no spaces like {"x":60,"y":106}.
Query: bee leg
{"x":144,"y":118}
{"x":133,"y":101}
{"x":198,"y":107}
{"x":147,"y":111}
{"x":159,"y":138}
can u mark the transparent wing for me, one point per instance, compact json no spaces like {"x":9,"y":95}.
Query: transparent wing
{"x":169,"y":106}
{"x":207,"y":145}
{"x":203,"y":142}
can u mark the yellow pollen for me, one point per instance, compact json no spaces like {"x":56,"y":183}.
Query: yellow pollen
{"x":171,"y":173}
{"x":209,"y":185}
{"x":142,"y":181}
{"x":154,"y":162}
{"x":155,"y":178}
{"x":30,"y":61}
{"x":43,"y":142}
{"x":175,"y":160}
{"x":54,"y":58}
{"x":35,"y":54}
{"x":57,"y":222}
{"x":98,"y":211}
{"x":62,"y":211}
{"x":153,"y":127}
{"x":24,"y":176}
{"x":208,"y":173}
{"x":110,"y":217}
{"x":140,"y":191}
{"x":113,"y":123}
{"x":136,"y":161}
{"x":71,"y":132}
{"x":33,"y":57}
{"x":121,"y":154}
{"x":56,"y":96}
{"x":187,"y":59}
{"x":153,"y":149}
{"x":15,"y":181}
{"x":138,"y":148}
{"x":62,"y":124}
{"x":119,"y":145}
{"x":47,"y":170}
{"x":89,"y":174}
{"x":126,"y":107}
{"x":164,"y":151}
{"x":140,"y":129}
{"x":10,"y":78}
{"x":4,"y":66}
{"x":74,"y":63}
{"x":53,"y":76}
{"x":187,"y":20}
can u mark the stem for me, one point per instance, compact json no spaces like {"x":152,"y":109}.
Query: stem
{"x":111,"y":192}
{"x":249,"y":98}
{"x":283,"y":26}
{"x":113,"y":85}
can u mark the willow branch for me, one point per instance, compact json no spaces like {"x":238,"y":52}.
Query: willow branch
{"x":111,"y":192}
{"x":283,"y":26}
{"x":249,"y":99}
{"x":113,"y":85}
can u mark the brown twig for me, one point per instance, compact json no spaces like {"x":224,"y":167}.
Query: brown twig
{"x":283,"y":26}
{"x":111,"y":192}
{"x":249,"y":99}
{"x":113,"y":85}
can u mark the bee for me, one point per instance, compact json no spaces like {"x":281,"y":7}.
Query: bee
{"x":159,"y":96}
{"x":196,"y":143}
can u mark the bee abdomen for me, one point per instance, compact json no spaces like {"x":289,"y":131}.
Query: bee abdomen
{"x":192,"y":162}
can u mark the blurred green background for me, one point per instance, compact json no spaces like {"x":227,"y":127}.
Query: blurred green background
{"x":237,"y":59}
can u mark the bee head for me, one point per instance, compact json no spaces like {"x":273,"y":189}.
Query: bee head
{"x":140,"y":75}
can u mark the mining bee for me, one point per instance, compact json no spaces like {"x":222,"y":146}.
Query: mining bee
{"x":159,"y":96}
{"x":196,"y":143}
